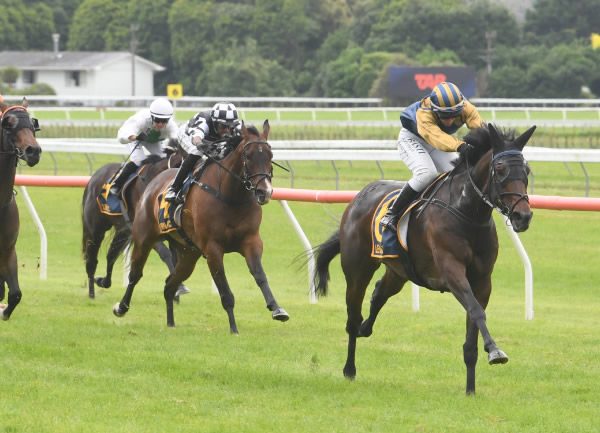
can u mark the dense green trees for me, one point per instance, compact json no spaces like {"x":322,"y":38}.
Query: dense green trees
{"x":337,"y":48}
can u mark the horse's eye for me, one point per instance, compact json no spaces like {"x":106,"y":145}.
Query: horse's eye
{"x":10,"y":121}
{"x":502,"y":172}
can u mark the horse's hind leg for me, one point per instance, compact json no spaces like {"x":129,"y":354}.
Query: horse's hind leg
{"x":116,"y":248}
{"x":9,"y":275}
{"x":389,"y":285}
{"x":92,"y":239}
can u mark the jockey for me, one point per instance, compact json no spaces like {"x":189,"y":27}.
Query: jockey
{"x":203,"y":135}
{"x":426,"y":143}
{"x":153,"y":128}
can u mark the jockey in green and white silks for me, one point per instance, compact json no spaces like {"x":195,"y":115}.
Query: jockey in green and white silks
{"x":426,"y":143}
{"x":151,"y":129}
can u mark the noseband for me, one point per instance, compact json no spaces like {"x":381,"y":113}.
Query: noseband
{"x":493,"y":196}
{"x":246,"y":179}
{"x":12,"y":123}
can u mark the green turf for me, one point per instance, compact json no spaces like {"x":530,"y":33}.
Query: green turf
{"x":69,"y":365}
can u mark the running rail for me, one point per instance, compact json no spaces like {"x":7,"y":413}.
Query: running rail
{"x":317,"y":196}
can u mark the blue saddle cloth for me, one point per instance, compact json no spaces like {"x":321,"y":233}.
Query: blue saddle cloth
{"x":385,"y":242}
{"x":109,"y":203}
{"x":169,"y":215}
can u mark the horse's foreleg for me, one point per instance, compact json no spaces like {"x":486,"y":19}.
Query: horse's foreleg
{"x":256,"y":269}
{"x":138,"y":260}
{"x":182,"y":271}
{"x":9,"y":274}
{"x":116,"y":248}
{"x":470,"y":354}
{"x":214,"y":260}
{"x":389,"y":285}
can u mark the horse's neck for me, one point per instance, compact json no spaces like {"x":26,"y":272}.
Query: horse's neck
{"x":7,"y":180}
{"x":469,"y":201}
{"x":231,"y":185}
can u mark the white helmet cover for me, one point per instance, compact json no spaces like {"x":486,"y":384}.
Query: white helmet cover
{"x":161,"y":108}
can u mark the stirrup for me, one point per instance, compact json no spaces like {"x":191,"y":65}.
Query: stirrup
{"x":115,"y":190}
{"x":172,"y":196}
{"x":390,"y":221}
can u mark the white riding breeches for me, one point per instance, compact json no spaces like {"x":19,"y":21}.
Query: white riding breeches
{"x":424,"y":161}
{"x":139,"y":151}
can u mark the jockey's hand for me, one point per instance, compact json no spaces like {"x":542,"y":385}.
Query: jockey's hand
{"x":141,"y":136}
{"x":171,"y":146}
{"x":464,"y":147}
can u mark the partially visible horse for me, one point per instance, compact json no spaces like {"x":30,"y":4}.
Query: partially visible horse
{"x":222,"y":214}
{"x":452,"y":240}
{"x":96,"y":223}
{"x":17,"y":141}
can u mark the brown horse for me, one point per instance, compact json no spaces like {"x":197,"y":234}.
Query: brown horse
{"x":222,"y":214}
{"x":96,"y":223}
{"x":17,"y":141}
{"x":452,"y":240}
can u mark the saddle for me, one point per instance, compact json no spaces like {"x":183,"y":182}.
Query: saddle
{"x":111,"y":204}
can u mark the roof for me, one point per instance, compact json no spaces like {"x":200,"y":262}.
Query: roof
{"x":67,"y":60}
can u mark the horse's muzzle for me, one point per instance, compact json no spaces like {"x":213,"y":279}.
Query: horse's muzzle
{"x":520,"y":220}
{"x":263,"y":195}
{"x":32,"y":155}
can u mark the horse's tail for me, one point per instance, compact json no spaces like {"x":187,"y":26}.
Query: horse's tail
{"x":324,"y":254}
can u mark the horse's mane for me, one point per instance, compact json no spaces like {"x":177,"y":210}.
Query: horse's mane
{"x":233,"y":142}
{"x":480,"y":142}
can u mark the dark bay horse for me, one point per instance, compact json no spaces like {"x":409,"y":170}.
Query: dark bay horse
{"x":96,"y":223}
{"x":452,"y":240}
{"x":222,"y":214}
{"x":17,"y":141}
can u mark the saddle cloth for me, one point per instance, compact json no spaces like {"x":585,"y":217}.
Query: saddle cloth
{"x":386,"y":243}
{"x":169,"y":214}
{"x":109,"y":203}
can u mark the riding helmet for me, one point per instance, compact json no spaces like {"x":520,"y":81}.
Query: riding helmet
{"x":224,"y":113}
{"x":447,"y":100}
{"x":161,"y":108}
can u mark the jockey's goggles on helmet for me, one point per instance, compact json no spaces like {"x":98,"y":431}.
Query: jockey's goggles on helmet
{"x":159,"y":119}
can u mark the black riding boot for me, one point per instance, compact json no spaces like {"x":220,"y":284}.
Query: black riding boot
{"x":126,"y":171}
{"x":187,"y":165}
{"x":391,"y":217}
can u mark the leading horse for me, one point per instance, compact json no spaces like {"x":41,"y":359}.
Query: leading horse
{"x":95,"y":223}
{"x":17,"y":141}
{"x":452,"y":240}
{"x":222,"y":214}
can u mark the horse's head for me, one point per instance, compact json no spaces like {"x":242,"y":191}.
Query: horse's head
{"x":257,"y":160}
{"x":508,"y":177}
{"x":18,"y":133}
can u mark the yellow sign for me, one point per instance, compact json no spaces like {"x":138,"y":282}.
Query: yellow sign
{"x":174,"y":91}
{"x":595,"y":38}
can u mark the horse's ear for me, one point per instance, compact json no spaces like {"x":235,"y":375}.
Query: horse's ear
{"x":244,"y":129}
{"x":266,"y":128}
{"x":25,"y":102}
{"x":522,"y":139}
{"x":1,"y":98}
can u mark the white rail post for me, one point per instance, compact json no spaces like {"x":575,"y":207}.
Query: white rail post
{"x":41,"y":231}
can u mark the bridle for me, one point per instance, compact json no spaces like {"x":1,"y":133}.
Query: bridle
{"x":493,"y":196}
{"x":13,"y":119}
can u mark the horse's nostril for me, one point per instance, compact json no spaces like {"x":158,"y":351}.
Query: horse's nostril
{"x":32,"y":150}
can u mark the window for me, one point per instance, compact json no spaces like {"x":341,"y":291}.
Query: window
{"x":29,"y":77}
{"x":75,"y":78}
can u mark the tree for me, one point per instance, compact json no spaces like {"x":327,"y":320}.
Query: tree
{"x":10,"y":75}
{"x":94,"y":24}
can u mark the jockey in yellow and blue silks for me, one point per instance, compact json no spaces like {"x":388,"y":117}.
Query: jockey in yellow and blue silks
{"x":426,"y":143}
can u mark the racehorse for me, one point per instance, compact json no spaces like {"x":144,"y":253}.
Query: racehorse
{"x":96,"y":223}
{"x":452,"y":240}
{"x":222,"y":214}
{"x":17,"y":141}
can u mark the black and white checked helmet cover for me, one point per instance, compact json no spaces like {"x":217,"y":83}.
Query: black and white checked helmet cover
{"x":224,"y":112}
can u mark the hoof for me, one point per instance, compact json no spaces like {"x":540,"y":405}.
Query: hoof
{"x":2,"y":316}
{"x":182,"y":290}
{"x":120,"y":311}
{"x":365,"y":330}
{"x":281,"y":315}
{"x":103,"y":282}
{"x":497,"y":356}
{"x":349,"y":373}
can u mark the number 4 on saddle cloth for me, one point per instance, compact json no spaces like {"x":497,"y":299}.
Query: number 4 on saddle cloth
{"x":112,"y":204}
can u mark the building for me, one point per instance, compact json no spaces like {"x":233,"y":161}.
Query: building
{"x":84,"y":73}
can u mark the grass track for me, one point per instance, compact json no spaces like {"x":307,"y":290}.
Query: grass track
{"x":69,"y":365}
